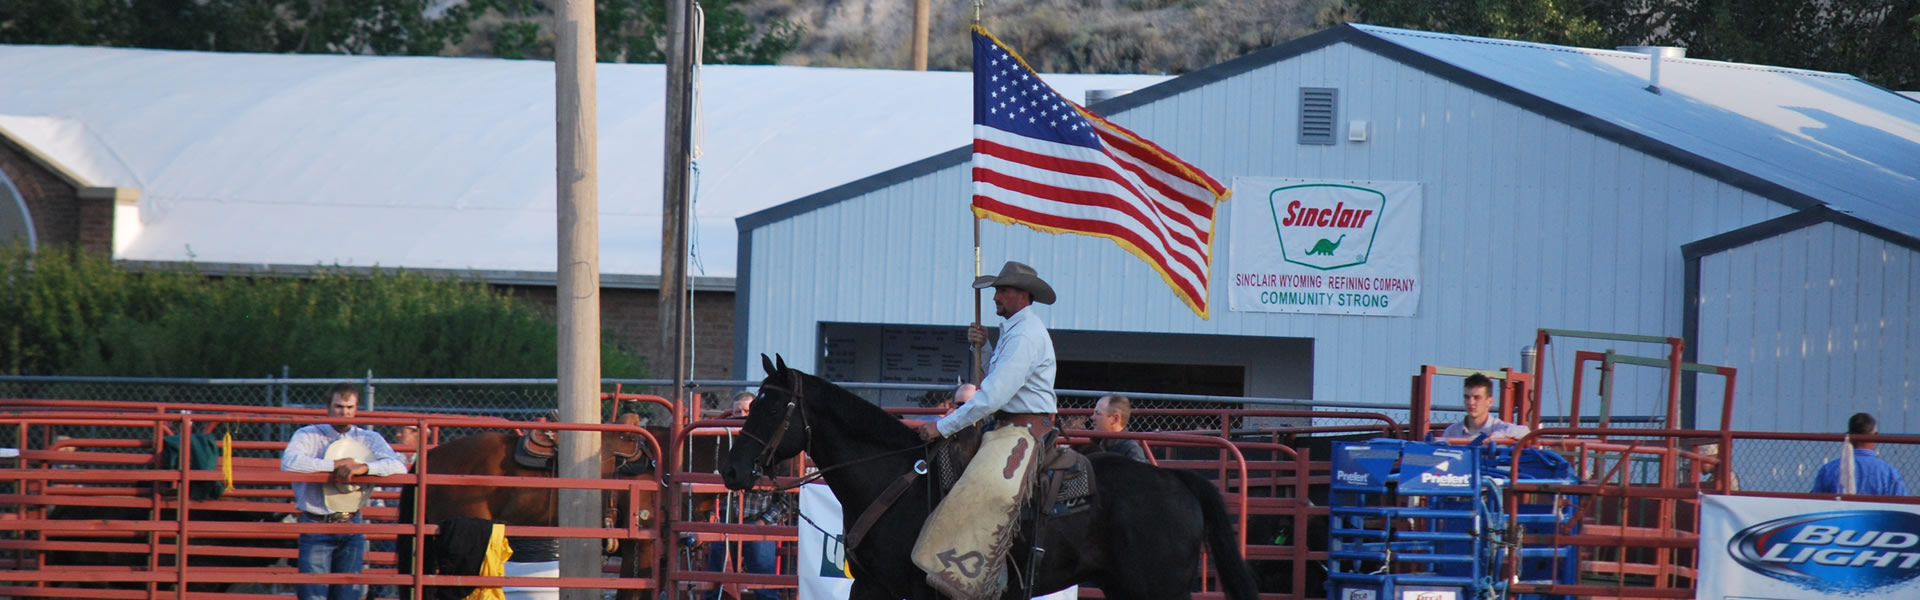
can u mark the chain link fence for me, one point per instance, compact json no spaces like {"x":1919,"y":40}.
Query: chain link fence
{"x":531,"y":399}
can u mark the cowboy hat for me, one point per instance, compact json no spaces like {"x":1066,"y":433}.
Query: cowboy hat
{"x":1018,"y":276}
{"x":347,"y":497}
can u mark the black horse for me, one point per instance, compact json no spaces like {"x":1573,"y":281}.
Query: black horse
{"x":1142,"y":540}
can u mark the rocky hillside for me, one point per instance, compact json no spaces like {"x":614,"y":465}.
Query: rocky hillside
{"x":1068,"y":36}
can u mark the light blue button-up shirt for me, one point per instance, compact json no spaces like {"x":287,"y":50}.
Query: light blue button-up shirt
{"x":306,"y":453}
{"x":1019,"y":378}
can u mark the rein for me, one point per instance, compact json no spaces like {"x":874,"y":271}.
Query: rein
{"x":857,"y":530}
{"x":768,"y":446}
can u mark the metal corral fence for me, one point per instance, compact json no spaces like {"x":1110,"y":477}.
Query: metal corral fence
{"x":531,"y":399}
{"x":1763,"y":465}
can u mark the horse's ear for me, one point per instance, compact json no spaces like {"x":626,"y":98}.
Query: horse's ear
{"x":767,"y":363}
{"x":781,"y":361}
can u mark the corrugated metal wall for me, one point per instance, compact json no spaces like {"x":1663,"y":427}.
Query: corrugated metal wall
{"x":1529,"y":223}
{"x":1822,"y":322}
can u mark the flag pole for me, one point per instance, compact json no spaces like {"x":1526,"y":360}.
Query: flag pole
{"x":979,"y":368}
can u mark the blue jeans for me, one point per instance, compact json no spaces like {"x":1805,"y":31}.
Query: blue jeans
{"x":331,"y":553}
{"x":754,"y":557}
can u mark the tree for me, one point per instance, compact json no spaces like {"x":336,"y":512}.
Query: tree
{"x":65,"y":311}
{"x":1876,"y":40}
{"x":635,"y":31}
{"x":310,"y":26}
{"x":1545,"y":21}
{"x":628,"y":30}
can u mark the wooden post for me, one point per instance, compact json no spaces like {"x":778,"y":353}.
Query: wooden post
{"x":578,"y":289}
{"x":922,"y":25}
{"x":675,"y":177}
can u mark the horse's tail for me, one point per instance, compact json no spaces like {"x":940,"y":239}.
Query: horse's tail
{"x":1235,"y":577}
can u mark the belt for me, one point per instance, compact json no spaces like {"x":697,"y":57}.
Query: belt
{"x":1041,"y":419}
{"x":339,"y":517}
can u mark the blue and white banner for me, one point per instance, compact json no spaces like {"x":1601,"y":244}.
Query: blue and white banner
{"x":1788,"y":549}
{"x":822,"y":560}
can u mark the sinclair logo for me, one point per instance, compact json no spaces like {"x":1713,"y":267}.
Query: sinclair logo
{"x":1326,"y":226}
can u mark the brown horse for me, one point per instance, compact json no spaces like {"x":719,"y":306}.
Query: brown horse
{"x":622,"y":456}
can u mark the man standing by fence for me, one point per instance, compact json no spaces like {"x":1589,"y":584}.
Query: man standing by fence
{"x":1869,"y":475}
{"x":328,"y":503}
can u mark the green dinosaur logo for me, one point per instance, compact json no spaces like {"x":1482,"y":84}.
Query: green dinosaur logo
{"x":1325,"y":247}
{"x":1313,"y":222}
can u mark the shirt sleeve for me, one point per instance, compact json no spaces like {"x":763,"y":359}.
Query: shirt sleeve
{"x":1012,"y":362}
{"x":385,"y":460}
{"x":303,"y":455}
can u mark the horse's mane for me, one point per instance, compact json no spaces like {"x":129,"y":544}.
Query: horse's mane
{"x":860,"y":415}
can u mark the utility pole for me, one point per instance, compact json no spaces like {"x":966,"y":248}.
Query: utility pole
{"x":675,"y":188}
{"x":578,"y":289}
{"x":676,"y":168}
{"x":922,"y":27}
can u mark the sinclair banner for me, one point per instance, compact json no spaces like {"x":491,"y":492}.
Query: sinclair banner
{"x":1325,"y":247}
{"x":1789,"y":549}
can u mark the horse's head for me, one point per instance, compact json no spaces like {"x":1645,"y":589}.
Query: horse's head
{"x":776,"y":427}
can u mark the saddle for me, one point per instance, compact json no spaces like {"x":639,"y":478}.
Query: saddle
{"x":536,"y":450}
{"x":1062,"y":487}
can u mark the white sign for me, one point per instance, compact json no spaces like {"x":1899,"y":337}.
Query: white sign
{"x":823,"y":566}
{"x":1325,"y":247}
{"x":1787,"y":549}
{"x":822,"y":558}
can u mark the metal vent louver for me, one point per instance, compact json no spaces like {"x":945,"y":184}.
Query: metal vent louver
{"x":1317,"y":115}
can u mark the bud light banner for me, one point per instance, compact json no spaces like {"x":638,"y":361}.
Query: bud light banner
{"x":1785,"y":549}
{"x":1325,"y":247}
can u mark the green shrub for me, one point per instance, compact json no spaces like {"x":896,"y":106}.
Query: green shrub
{"x":75,"y":313}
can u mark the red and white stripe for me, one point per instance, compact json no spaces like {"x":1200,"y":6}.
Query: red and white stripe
{"x":1133,"y":193}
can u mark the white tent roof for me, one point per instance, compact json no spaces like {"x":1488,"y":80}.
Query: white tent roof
{"x":447,"y":163}
{"x":1837,"y":139}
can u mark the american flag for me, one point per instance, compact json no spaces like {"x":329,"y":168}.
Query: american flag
{"x":1042,"y":161}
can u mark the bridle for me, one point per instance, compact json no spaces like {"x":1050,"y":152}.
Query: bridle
{"x":764,"y":462}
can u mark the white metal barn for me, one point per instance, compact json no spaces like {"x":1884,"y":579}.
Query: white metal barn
{"x":1561,"y":188}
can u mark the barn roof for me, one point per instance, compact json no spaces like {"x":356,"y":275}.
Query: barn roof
{"x":447,"y":163}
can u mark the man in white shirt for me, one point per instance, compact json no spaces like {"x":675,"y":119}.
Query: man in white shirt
{"x":1478,"y":394}
{"x":306,"y":453}
{"x":977,"y":514}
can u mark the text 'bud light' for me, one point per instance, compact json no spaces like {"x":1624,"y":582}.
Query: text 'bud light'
{"x":1848,"y":552}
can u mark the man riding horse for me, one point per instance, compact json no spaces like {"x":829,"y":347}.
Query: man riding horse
{"x":965,"y":542}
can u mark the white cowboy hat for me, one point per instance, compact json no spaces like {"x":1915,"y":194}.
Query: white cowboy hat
{"x":347,"y":497}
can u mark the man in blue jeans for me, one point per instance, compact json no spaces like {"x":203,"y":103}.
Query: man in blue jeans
{"x":306,"y":453}
{"x":752,"y":557}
